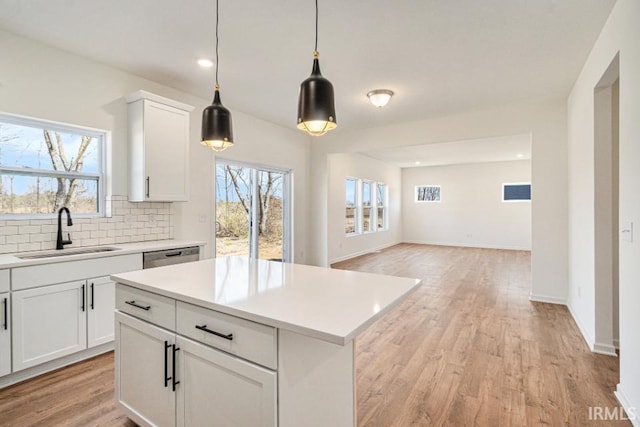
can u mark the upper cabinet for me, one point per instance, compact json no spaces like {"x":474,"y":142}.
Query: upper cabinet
{"x":158,"y":148}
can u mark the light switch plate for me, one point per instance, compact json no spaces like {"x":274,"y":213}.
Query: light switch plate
{"x":626,"y":232}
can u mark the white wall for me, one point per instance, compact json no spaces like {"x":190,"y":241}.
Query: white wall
{"x":43,"y":82}
{"x":619,"y":35}
{"x":546,"y":122}
{"x":471,"y":211}
{"x":360,"y":166}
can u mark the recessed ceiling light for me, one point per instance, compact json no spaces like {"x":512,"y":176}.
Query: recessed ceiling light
{"x":380,"y":97}
{"x":205,"y":63}
{"x":417,"y":163}
{"x":520,"y":156}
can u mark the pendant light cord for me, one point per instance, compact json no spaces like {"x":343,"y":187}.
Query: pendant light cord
{"x":217,"y":20}
{"x":316,"y":45}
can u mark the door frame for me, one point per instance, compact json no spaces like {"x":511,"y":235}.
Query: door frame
{"x":287,"y":210}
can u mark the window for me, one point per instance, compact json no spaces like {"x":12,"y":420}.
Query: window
{"x":351,"y":215}
{"x":427,"y":193}
{"x":45,"y":165}
{"x":382,"y":206}
{"x":367,"y":207}
{"x":516,"y":192}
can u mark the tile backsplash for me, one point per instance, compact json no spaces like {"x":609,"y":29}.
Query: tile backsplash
{"x":130,"y":222}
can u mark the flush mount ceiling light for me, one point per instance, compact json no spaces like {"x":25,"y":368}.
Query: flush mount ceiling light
{"x":217,"y":132}
{"x":380,"y":97}
{"x":316,"y":106}
{"x":205,"y":63}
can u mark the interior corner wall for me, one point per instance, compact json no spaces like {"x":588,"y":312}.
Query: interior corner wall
{"x":39,"y":81}
{"x":545,"y":120}
{"x":471,"y":211}
{"x":341,"y":166}
{"x":619,"y":36}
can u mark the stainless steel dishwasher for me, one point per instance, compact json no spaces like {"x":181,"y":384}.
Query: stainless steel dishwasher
{"x":169,"y":257}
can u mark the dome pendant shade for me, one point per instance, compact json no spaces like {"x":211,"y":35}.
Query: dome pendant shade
{"x":316,"y":106}
{"x":217,"y":132}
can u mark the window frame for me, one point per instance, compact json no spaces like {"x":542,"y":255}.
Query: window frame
{"x":373,"y":219}
{"x":415,"y":193}
{"x":103,"y":180}
{"x":384,"y":207}
{"x":357,"y":207}
{"x":504,"y":184}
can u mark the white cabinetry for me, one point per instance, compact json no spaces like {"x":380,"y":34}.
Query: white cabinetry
{"x":158,"y":148}
{"x":144,"y":363}
{"x":101,"y":302}
{"x":217,"y":389}
{"x":5,"y":334}
{"x":166,"y":379}
{"x":48,"y":322}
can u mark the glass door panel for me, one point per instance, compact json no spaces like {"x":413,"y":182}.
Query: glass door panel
{"x":270,"y":215}
{"x":233,"y":207}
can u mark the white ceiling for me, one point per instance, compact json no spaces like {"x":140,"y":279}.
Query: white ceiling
{"x":439,"y":57}
{"x":504,"y":148}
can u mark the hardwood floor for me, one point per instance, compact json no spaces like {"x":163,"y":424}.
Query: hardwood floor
{"x":467,"y":348}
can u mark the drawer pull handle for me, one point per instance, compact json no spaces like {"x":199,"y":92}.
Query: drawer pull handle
{"x":142,"y":307}
{"x":218,"y":334}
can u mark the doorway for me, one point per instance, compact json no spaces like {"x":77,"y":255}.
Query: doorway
{"x":252,"y":211}
{"x":606,"y":209}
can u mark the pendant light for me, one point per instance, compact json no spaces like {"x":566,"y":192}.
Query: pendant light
{"x":316,"y":107}
{"x":217,"y":132}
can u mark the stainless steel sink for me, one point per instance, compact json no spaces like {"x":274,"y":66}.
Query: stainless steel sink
{"x":66,"y":252}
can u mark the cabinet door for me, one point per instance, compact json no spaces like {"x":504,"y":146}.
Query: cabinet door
{"x":217,"y":389}
{"x":5,"y":335}
{"x":48,"y":323}
{"x":101,"y":303}
{"x":166,"y":138}
{"x":144,"y":364}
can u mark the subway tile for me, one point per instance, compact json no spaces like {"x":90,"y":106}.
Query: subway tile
{"x":18,"y":238}
{"x":26,"y":247}
{"x":7,"y":249}
{"x":8,"y":230}
{"x":28,"y":229}
{"x":98,"y":234}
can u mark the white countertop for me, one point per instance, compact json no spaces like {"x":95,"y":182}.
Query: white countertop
{"x":332,"y":305}
{"x":12,"y":260}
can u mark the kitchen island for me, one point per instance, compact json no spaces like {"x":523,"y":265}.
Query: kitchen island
{"x":239,"y":342}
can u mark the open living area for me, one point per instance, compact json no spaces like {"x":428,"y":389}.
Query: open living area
{"x":442,"y":236}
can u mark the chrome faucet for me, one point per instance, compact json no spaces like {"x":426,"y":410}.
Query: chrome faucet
{"x":60,"y":243}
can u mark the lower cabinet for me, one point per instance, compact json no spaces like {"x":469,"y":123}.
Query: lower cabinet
{"x":57,"y":320}
{"x":48,"y":323}
{"x":101,"y":303}
{"x":5,"y":334}
{"x":164,"y":379}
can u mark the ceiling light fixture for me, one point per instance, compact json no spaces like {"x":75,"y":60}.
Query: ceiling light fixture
{"x":380,"y":97}
{"x":217,"y":132}
{"x":316,"y":106}
{"x":205,"y":63}
{"x":520,"y":156}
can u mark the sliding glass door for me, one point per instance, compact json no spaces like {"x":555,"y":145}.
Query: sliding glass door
{"x":252,"y":211}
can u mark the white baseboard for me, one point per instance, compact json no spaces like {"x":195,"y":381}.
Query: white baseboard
{"x":587,"y":338}
{"x":548,"y":299}
{"x":632,"y":411}
{"x":364,"y":252}
{"x":606,"y":349}
{"x":34,"y":371}
{"x":469,"y":245}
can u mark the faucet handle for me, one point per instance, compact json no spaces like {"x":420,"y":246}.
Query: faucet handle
{"x":69,"y":237}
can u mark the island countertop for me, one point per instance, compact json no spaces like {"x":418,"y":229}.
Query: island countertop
{"x":327,"y":304}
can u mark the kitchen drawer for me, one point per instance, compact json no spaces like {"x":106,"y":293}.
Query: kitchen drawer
{"x":246,"y":339}
{"x":4,"y":280}
{"x":148,"y":306}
